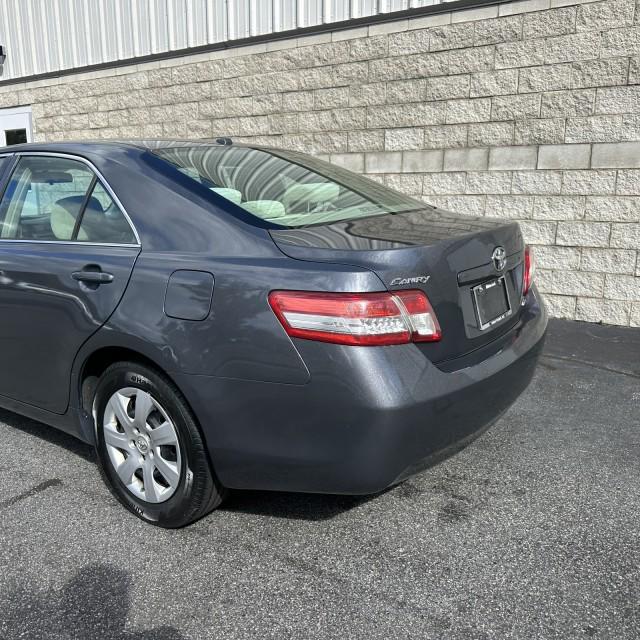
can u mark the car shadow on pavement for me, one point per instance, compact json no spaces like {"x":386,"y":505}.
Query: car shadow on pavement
{"x":45,"y":432}
{"x":292,"y":506}
{"x":92,"y":604}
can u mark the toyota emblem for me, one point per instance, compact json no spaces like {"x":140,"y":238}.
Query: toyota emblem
{"x":499,"y":257}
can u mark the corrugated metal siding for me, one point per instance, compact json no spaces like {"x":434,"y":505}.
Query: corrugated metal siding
{"x":44,"y":36}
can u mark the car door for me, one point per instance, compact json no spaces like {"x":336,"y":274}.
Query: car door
{"x":67,"y":250}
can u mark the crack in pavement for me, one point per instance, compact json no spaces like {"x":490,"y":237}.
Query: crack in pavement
{"x":630,"y":374}
{"x":39,"y":488}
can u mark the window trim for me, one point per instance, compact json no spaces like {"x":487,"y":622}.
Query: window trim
{"x":99,"y":178}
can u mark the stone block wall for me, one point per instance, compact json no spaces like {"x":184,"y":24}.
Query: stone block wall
{"x":524,"y":110}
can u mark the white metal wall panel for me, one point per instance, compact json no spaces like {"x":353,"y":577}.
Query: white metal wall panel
{"x":309,"y":13}
{"x":363,"y":8}
{"x":285,"y":14}
{"x":238,"y":19}
{"x":261,"y":17}
{"x":45,"y":36}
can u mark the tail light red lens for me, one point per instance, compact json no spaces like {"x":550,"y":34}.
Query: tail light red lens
{"x":365,"y":319}
{"x":529,"y":269}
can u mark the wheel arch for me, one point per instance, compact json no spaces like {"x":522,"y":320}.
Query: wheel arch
{"x":92,"y":363}
{"x":95,"y":364}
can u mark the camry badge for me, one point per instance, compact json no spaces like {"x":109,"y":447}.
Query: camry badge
{"x":398,"y":282}
{"x":499,"y":257}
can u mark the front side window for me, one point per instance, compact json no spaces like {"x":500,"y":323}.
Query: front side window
{"x":51,"y":198}
{"x":288,"y":188}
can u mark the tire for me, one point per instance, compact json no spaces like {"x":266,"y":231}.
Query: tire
{"x":154,"y":459}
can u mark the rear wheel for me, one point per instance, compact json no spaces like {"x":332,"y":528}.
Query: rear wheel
{"x":150,"y":449}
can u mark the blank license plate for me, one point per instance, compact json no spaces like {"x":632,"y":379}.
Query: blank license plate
{"x":492,"y":302}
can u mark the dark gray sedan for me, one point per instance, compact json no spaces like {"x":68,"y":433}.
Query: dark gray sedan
{"x":216,"y":316}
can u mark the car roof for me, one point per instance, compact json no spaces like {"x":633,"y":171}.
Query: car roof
{"x":146,"y":144}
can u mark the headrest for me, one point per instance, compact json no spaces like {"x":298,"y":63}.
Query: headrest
{"x":233,"y":195}
{"x":64,"y":213}
{"x":312,"y":192}
{"x":265,"y":209}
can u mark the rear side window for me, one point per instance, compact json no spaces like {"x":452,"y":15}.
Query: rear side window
{"x":59,"y":199}
{"x":102,"y":220}
{"x":4,"y":165}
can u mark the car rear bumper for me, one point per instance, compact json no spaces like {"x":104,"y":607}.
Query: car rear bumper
{"x":390,"y":414}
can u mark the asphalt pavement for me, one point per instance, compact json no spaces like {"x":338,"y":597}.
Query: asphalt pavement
{"x":533,"y":531}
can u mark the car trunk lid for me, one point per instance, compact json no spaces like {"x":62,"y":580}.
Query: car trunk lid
{"x":448,"y":256}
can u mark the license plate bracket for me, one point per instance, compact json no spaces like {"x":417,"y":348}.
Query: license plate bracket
{"x":491,"y":302}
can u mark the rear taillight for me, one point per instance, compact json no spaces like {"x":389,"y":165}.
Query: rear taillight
{"x":365,"y":319}
{"x":529,"y":269}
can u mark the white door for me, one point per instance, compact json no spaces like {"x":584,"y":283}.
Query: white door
{"x":15,"y":126}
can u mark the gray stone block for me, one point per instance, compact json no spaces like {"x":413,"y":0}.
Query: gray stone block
{"x":366,"y":140}
{"x":609,"y":260}
{"x":593,"y":129}
{"x":583,"y":234}
{"x":601,"y":73}
{"x":540,"y":131}
{"x":625,"y":235}
{"x":623,"y":155}
{"x":445,"y":136}
{"x":537,"y":182}
{"x":557,"y":257}
{"x":408,"y":183}
{"x":409,"y":42}
{"x":519,"y":54}
{"x":599,"y":310}
{"x":466,"y":159}
{"x":602,"y":16}
{"x":401,"y":139}
{"x":351,"y":161}
{"x":370,"y":94}
{"x":507,"y":158}
{"x":617,"y":100}
{"x":544,"y":24}
{"x":406,"y":91}
{"x":444,"y":183}
{"x":628,"y":183}
{"x":560,"y":306}
{"x":488,"y":182}
{"x":407,"y":115}
{"x":452,"y":36}
{"x":613,"y":209}
{"x":578,"y":283}
{"x":568,"y":103}
{"x":468,"y":110}
{"x":554,"y":77}
{"x":383,"y":162}
{"x":496,"y":30}
{"x":515,"y":107}
{"x":559,"y":208}
{"x":538,"y":232}
{"x":570,"y":48}
{"x":446,"y":88}
{"x":564,"y":156}
{"x":493,"y":83}
{"x":490,"y":134}
{"x":471,"y":60}
{"x":422,"y":161}
{"x":589,"y":182}
{"x":622,"y":287}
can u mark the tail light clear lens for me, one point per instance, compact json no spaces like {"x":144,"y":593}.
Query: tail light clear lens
{"x":529,"y":269}
{"x":365,"y":319}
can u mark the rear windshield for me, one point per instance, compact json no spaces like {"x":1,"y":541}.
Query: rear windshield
{"x":284,"y":187}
